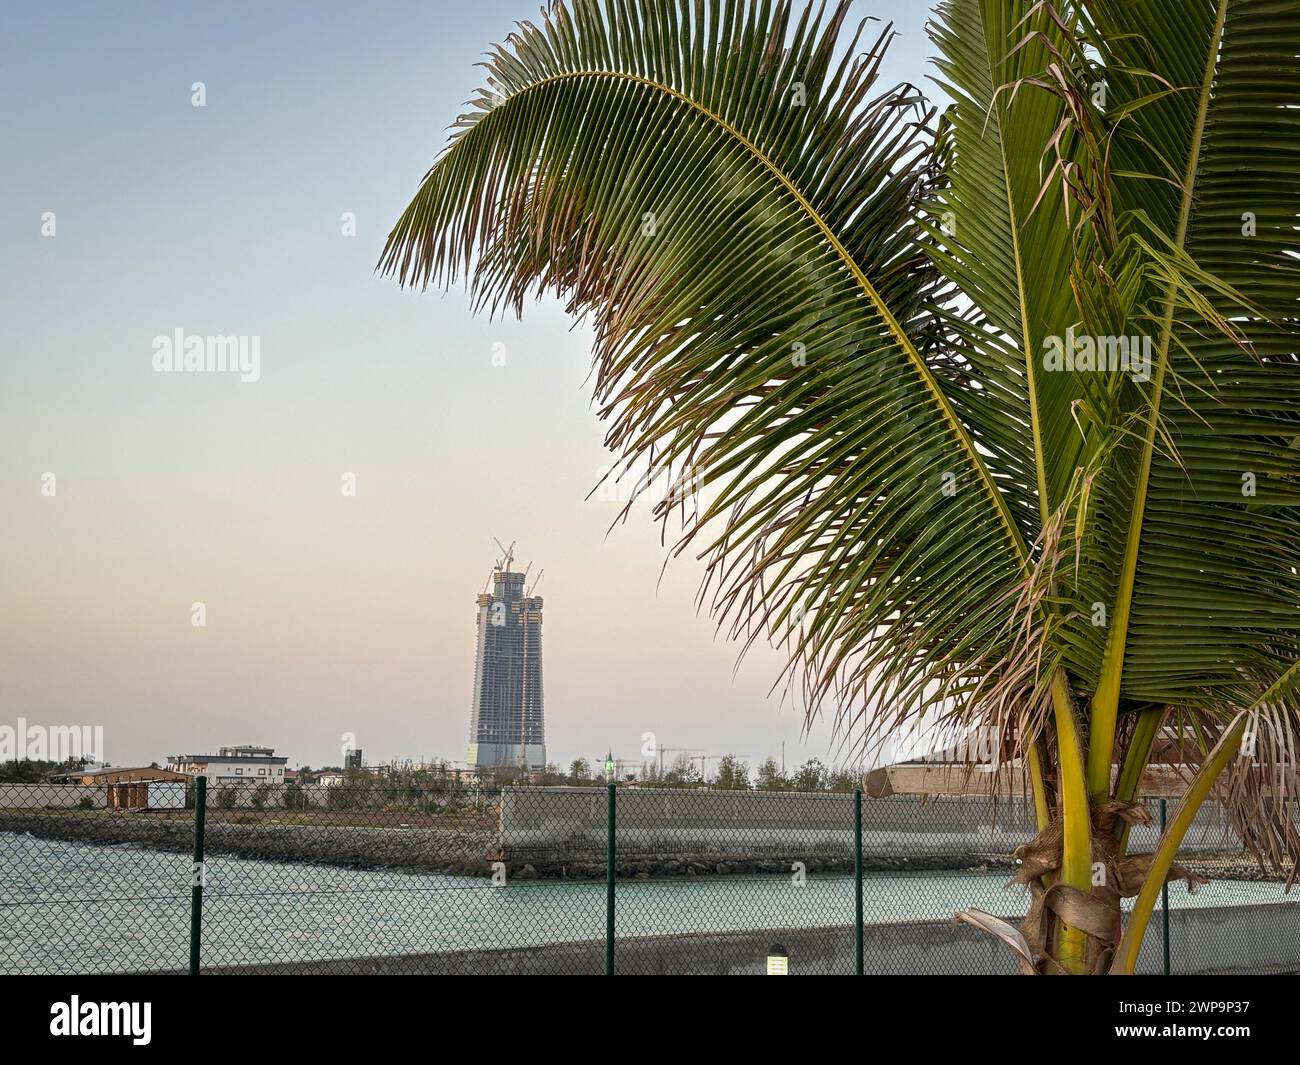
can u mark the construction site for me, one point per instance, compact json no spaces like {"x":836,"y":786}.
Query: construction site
{"x":507,"y":720}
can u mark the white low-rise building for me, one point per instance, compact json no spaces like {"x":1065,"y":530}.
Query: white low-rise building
{"x":258,"y":764}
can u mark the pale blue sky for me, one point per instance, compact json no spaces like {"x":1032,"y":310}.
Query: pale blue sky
{"x":325,"y":614}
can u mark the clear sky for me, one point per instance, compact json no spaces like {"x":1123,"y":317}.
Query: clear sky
{"x":325,"y":613}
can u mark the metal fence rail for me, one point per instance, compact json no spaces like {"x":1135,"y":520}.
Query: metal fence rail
{"x":375,"y":875}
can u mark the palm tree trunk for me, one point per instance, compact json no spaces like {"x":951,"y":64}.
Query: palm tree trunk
{"x":1076,"y":856}
{"x":1224,"y":751}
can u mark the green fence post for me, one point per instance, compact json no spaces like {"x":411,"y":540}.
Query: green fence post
{"x":857,"y":871}
{"x":198,"y":872}
{"x":1164,"y":891}
{"x":609,"y":886}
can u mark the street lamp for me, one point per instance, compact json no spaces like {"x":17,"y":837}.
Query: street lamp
{"x":778,"y":960}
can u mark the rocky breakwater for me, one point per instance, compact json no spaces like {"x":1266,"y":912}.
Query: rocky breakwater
{"x":431,"y":850}
{"x":645,"y":867}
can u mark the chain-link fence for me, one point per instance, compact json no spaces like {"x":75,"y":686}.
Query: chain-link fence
{"x":374,"y":876}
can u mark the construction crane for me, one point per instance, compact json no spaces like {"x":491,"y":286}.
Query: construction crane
{"x":536,"y":581}
{"x":507,"y":554}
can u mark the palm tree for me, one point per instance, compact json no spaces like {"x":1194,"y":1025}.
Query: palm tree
{"x":994,"y":410}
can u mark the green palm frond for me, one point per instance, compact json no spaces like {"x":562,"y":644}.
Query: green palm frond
{"x":731,"y":195}
{"x":1181,"y":585}
{"x":1004,"y":244}
{"x":1211,"y":161}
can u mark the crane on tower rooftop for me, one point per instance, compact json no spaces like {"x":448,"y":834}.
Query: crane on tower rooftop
{"x":507,"y":555}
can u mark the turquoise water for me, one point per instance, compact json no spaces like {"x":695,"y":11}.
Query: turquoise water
{"x":70,"y":907}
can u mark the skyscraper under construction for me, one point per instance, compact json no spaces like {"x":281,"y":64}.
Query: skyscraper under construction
{"x":506,"y":725}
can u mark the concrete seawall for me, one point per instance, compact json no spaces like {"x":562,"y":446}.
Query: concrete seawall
{"x":52,"y":797}
{"x":1221,"y":939}
{"x":556,"y":825}
{"x":559,"y":824}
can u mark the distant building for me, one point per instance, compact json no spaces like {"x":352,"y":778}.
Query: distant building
{"x":140,"y":788}
{"x":257,"y":764}
{"x":329,"y":779}
{"x":507,"y":725}
{"x":352,"y":758}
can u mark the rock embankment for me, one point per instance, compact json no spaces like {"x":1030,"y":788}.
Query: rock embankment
{"x":677,"y":865}
{"x":447,"y":851}
{"x":453,"y":852}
